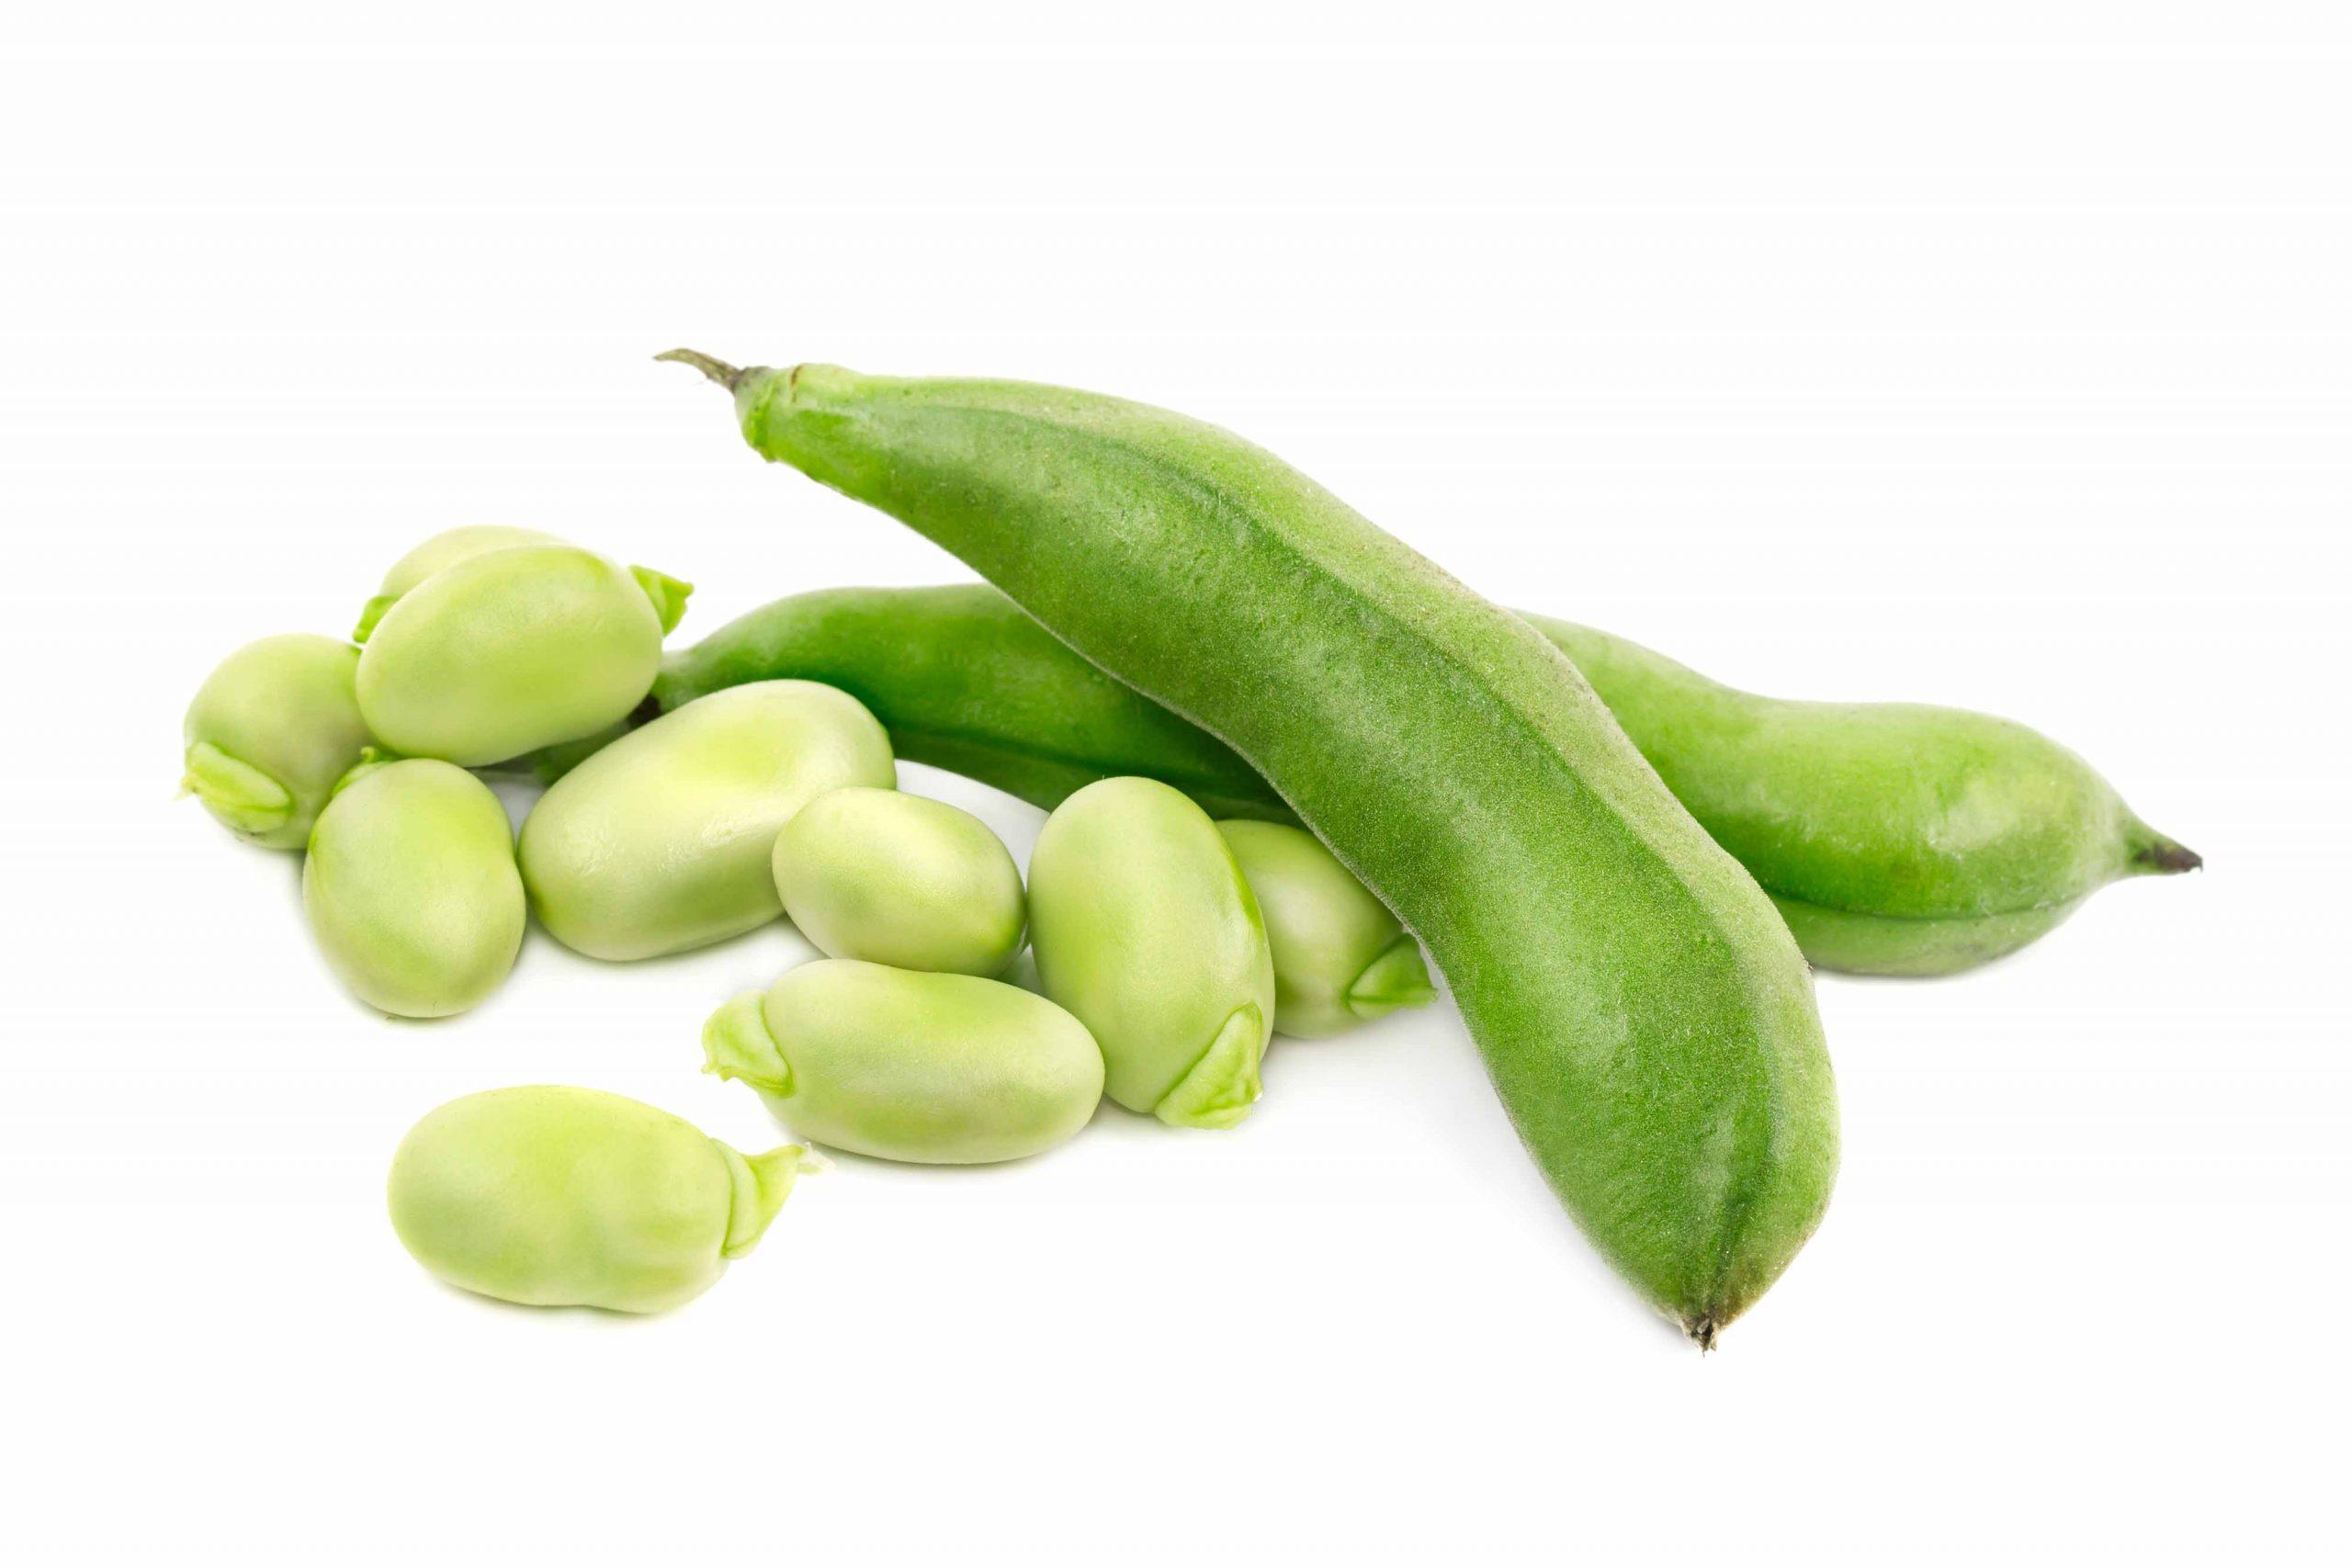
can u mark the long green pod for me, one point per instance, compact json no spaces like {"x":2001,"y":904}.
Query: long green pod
{"x":1647,"y":1021}
{"x":1896,"y":839}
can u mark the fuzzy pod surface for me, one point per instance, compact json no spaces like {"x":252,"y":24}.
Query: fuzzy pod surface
{"x":1646,"y":1017}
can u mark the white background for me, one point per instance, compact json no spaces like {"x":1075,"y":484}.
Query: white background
{"x":1992,"y":355}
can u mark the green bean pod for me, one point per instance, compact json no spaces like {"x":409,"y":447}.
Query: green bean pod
{"x":1143,"y":928}
{"x":661,"y":841}
{"x":900,"y":880}
{"x":509,"y":649}
{"x":1896,"y":839}
{"x":411,"y":889}
{"x":906,"y":1065}
{"x":269,"y":734}
{"x":1341,"y":959}
{"x":1647,"y":1021}
{"x":551,"y":1196}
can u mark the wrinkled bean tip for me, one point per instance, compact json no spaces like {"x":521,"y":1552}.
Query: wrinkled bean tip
{"x":737,"y":1046}
{"x":1701,"y":1330}
{"x":668,"y":594}
{"x":246,"y":799}
{"x":761,"y":1183}
{"x":1397,"y":978}
{"x":1219,"y":1090}
{"x":371,"y":614}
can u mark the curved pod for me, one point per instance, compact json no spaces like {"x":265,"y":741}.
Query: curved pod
{"x":270,"y":732}
{"x":1646,"y":1019}
{"x":1144,"y":929}
{"x":553,"y":1196}
{"x":411,"y":889}
{"x":904,"y":1065}
{"x":661,"y":841}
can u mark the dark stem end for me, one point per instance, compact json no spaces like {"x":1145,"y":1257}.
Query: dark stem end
{"x":2166,"y":858}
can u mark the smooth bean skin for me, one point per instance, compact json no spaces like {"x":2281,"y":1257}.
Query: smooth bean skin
{"x":908,"y":1065}
{"x":509,"y":650}
{"x":1341,"y":959}
{"x":1645,"y":1017}
{"x":269,"y":734}
{"x":661,"y":841}
{"x":1145,"y":929}
{"x":1895,"y":838}
{"x":451,"y":546}
{"x":900,"y":880}
{"x":552,"y":1196}
{"x":411,"y":888}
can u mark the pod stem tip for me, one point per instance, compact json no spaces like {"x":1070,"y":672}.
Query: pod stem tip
{"x":718,"y":370}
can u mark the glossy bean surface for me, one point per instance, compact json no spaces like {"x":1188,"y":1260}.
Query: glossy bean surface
{"x":1341,"y":959}
{"x":509,"y":650}
{"x":662,"y":841}
{"x":902,"y":880}
{"x":906,"y":1065}
{"x":270,"y":732}
{"x":411,"y":888}
{"x":1145,"y":929}
{"x":552,"y":1196}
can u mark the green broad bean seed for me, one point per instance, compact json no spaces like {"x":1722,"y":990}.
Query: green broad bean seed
{"x":411,"y":888}
{"x":552,"y":1196}
{"x":900,"y":1063}
{"x":900,"y":880}
{"x":444,"y":550}
{"x":1145,"y":929}
{"x":661,"y":841}
{"x":1340,"y":956}
{"x":269,"y":733}
{"x":511,"y":649}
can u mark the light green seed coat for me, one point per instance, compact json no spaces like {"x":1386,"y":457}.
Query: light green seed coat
{"x":937,"y":1069}
{"x":552,"y":1196}
{"x":1341,"y":959}
{"x":900,"y":880}
{"x":511,"y":649}
{"x":411,"y":889}
{"x":661,"y":841}
{"x":270,"y":732}
{"x":1145,"y":929}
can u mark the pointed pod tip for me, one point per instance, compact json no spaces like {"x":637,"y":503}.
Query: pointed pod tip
{"x":2164,"y":857}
